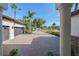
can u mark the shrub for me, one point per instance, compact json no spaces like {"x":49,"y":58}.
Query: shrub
{"x":13,"y":52}
{"x":55,"y":33}
{"x":50,"y":53}
{"x":27,"y":31}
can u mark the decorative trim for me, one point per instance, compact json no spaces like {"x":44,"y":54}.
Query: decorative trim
{"x":12,"y":19}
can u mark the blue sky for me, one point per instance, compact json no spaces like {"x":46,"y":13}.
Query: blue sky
{"x":47,"y":11}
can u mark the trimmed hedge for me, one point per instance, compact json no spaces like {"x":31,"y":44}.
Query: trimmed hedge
{"x":55,"y":33}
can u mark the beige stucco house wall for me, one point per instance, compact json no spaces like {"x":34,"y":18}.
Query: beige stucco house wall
{"x":11,"y":23}
{"x":75,"y":25}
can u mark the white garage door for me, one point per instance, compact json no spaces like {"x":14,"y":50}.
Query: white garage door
{"x":5,"y":32}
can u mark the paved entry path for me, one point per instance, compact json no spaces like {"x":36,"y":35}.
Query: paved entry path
{"x":35,"y":44}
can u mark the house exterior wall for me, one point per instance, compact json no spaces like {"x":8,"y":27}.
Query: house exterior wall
{"x":10,"y":24}
{"x":11,"y":27}
{"x":75,"y":25}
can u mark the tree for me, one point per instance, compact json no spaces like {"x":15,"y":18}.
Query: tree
{"x":15,"y":7}
{"x":26,"y":22}
{"x":29,"y":17}
{"x":38,"y":22}
{"x":53,"y":26}
{"x":34,"y":24}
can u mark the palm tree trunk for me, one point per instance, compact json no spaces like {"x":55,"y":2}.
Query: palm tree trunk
{"x":14,"y":16}
{"x":30,"y":25}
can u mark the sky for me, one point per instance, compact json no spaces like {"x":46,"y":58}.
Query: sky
{"x":47,"y":11}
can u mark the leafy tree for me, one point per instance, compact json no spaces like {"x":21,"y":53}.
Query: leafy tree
{"x":38,"y":22}
{"x":53,"y":26}
{"x":44,"y":27}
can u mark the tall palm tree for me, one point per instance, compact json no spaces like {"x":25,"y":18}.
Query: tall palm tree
{"x":30,"y":16}
{"x":15,"y":7}
{"x":26,"y":22}
{"x":35,"y":23}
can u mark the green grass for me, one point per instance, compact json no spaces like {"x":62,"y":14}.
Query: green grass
{"x":52,"y":31}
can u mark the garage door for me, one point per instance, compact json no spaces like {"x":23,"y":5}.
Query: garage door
{"x":18,"y":31}
{"x":5,"y":32}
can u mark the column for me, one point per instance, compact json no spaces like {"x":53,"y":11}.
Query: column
{"x":1,"y":49}
{"x":65,"y":28}
{"x":11,"y":32}
{"x":3,"y":6}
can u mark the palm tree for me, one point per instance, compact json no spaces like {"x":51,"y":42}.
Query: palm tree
{"x":15,"y":7}
{"x":35,"y":23}
{"x":26,"y":21}
{"x":30,"y":16}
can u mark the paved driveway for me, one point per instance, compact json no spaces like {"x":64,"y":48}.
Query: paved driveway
{"x":35,"y":44}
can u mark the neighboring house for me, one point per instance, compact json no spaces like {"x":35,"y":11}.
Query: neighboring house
{"x":75,"y":28}
{"x":9,"y":30}
{"x":75,"y":20}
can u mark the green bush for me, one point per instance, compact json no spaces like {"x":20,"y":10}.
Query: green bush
{"x":13,"y":52}
{"x":50,"y":53}
{"x":55,"y":33}
{"x":27,"y":31}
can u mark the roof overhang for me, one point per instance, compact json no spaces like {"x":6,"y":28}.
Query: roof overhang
{"x":75,"y":13}
{"x":12,"y":19}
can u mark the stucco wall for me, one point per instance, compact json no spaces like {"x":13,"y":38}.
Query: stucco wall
{"x":11,"y":25}
{"x":75,"y":25}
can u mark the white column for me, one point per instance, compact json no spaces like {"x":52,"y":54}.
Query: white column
{"x":1,"y":49}
{"x":2,"y":7}
{"x":11,"y":32}
{"x":65,"y":28}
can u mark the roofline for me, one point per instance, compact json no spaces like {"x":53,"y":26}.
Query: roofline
{"x":12,"y":19}
{"x":74,"y":13}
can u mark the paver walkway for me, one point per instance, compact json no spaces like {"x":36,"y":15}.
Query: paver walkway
{"x":35,"y":44}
